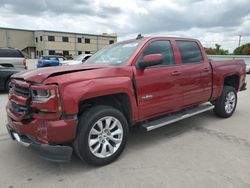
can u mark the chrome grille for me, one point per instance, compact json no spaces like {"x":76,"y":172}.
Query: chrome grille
{"x":20,"y":90}
{"x":16,"y":108}
{"x":19,"y":95}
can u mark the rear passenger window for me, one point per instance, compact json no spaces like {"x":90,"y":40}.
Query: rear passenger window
{"x":53,"y":59}
{"x":190,"y":52}
{"x":161,"y":47}
{"x":10,"y":53}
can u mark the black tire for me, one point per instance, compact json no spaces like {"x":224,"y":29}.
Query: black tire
{"x":220,"y":104}
{"x":88,"y":120}
{"x":7,"y":85}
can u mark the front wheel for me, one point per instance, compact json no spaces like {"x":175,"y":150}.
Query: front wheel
{"x":226,"y":104}
{"x":102,"y":135}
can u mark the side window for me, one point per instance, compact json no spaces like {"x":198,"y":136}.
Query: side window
{"x":10,"y":53}
{"x":190,"y":52}
{"x":161,"y":47}
{"x":53,"y":59}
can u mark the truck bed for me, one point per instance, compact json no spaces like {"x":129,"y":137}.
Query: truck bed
{"x":222,"y":69}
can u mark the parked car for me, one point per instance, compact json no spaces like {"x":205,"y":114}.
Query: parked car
{"x":89,"y":108}
{"x":248,"y":67}
{"x":51,"y":60}
{"x":5,"y":74}
{"x":11,"y":57}
{"x":77,"y":60}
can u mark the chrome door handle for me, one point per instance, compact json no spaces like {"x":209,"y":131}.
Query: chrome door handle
{"x":175,"y":73}
{"x":206,"y":69}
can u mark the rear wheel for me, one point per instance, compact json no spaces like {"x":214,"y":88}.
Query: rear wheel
{"x":226,"y":104}
{"x":102,"y":135}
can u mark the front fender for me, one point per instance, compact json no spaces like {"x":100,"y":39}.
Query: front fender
{"x":74,"y":93}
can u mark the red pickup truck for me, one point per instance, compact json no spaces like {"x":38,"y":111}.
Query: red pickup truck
{"x":148,"y":82}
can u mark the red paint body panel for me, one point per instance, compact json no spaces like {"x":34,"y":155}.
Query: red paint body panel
{"x":47,"y":132}
{"x":152,"y":92}
{"x":223,"y":69}
{"x":162,"y":86}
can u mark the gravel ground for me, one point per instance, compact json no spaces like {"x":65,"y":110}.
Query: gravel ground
{"x":202,"y":151}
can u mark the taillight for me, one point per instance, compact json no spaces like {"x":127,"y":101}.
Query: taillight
{"x":24,"y":63}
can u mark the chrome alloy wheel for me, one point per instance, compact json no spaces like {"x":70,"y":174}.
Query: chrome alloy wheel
{"x":230,"y":102}
{"x":105,"y":137}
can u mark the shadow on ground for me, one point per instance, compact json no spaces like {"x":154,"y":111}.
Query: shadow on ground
{"x":137,"y":141}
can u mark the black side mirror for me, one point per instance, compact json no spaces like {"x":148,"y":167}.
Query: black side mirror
{"x":149,"y":60}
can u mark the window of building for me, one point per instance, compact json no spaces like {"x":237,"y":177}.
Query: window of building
{"x":41,"y":38}
{"x":52,"y":52}
{"x":162,"y":47}
{"x":51,"y":38}
{"x":190,"y":52}
{"x":65,"y":53}
{"x":41,"y":52}
{"x":79,"y":40}
{"x":87,"y":40}
{"x":37,"y":52}
{"x":65,"y":39}
{"x":36,"y":39}
{"x":87,"y":52}
{"x":111,"y":42}
{"x":79,"y":52}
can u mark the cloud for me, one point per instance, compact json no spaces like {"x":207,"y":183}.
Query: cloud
{"x":167,"y":16}
{"x":59,"y":7}
{"x":208,"y":20}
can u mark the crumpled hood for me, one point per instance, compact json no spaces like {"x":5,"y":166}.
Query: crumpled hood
{"x":41,"y":74}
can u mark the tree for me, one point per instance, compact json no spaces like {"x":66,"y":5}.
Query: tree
{"x":243,"y":50}
{"x":216,"y":51}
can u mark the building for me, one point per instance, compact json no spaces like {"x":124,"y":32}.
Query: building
{"x":36,"y":43}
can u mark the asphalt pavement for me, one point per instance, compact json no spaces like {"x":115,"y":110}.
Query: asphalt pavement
{"x":202,"y":151}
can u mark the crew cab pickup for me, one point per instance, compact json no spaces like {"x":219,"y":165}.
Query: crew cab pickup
{"x":148,"y":82}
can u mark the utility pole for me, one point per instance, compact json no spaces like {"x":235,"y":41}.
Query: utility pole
{"x":239,"y":40}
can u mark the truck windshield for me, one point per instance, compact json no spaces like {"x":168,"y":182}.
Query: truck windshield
{"x":115,"y":55}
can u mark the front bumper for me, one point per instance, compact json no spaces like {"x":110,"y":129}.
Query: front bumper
{"x":45,"y":131}
{"x":54,"y":153}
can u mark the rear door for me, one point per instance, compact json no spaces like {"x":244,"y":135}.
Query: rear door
{"x":158,"y":87}
{"x":196,"y":73}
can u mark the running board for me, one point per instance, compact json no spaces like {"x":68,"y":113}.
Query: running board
{"x":151,"y":125}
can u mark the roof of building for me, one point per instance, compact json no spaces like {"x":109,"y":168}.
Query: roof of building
{"x":75,"y":33}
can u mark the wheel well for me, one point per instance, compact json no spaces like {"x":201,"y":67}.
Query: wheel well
{"x":232,"y":81}
{"x":119,"y":101}
{"x":6,"y":80}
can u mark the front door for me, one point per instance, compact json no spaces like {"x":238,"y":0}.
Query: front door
{"x":158,"y":87}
